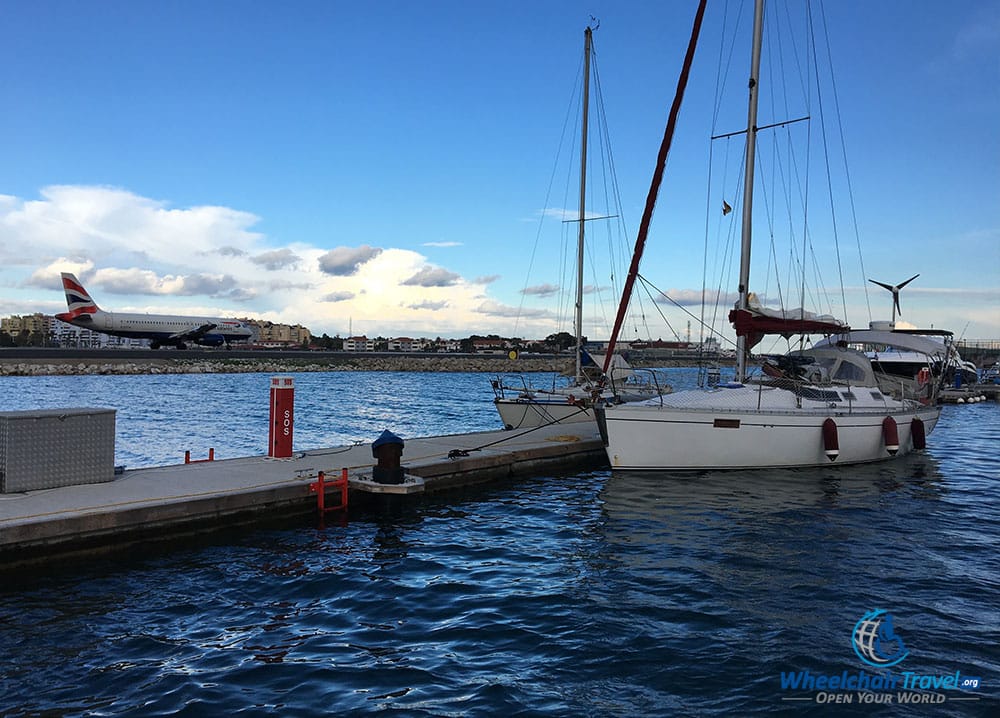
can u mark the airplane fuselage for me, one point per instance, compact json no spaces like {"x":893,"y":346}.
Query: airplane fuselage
{"x":160,"y":329}
{"x":164,"y":329}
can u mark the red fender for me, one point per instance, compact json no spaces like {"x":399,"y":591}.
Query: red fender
{"x":890,"y":435}
{"x":831,"y":445}
{"x":917,"y":433}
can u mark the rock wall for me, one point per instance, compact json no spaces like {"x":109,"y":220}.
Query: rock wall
{"x":493,"y":365}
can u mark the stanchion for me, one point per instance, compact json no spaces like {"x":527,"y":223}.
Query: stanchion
{"x":189,"y":460}
{"x":319,"y":488}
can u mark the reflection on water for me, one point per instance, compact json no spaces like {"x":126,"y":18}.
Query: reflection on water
{"x":771,"y":490}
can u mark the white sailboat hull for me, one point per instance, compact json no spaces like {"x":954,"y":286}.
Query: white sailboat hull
{"x":521,"y":413}
{"x":649,"y":436}
{"x":570,"y":405}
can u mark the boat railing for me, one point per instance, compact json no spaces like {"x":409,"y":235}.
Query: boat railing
{"x":640,"y":384}
{"x":500,"y":388}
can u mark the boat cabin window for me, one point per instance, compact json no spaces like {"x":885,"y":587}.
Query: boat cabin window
{"x":877,"y":395}
{"x":819,"y":394}
{"x":849,"y":395}
{"x":849,"y":372}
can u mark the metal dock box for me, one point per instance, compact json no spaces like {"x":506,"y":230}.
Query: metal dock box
{"x":49,"y":448}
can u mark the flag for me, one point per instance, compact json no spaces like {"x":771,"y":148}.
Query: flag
{"x":726,"y":209}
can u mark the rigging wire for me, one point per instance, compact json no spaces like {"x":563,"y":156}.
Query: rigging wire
{"x":548,"y":194}
{"x":567,"y":163}
{"x":778,"y":185}
{"x":650,"y":287}
{"x":843,"y":147}
{"x":826,"y":159}
{"x":611,"y":199}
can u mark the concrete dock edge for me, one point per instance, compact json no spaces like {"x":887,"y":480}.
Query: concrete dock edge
{"x":163,"y":502}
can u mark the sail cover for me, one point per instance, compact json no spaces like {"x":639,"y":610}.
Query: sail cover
{"x":755,"y":322}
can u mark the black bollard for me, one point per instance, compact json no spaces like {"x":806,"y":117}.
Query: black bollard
{"x":387,"y":449}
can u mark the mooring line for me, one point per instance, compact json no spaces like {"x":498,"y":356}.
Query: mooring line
{"x":458,"y":453}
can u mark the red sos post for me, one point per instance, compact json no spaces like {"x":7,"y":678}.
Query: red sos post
{"x":279,"y":441}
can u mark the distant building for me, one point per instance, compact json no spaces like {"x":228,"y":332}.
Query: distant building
{"x":660,"y":344}
{"x":489,"y":346}
{"x":30,"y":323}
{"x":68,"y":335}
{"x":359,"y":344}
{"x":278,"y":336}
{"x":405,"y":344}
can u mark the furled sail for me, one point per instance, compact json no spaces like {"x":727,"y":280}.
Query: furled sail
{"x":756,"y":321}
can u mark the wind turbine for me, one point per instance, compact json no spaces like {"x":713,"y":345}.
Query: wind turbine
{"x":895,"y":294}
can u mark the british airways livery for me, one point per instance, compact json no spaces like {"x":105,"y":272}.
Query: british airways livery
{"x":160,"y":329}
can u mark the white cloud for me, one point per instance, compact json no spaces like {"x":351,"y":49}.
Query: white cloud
{"x":276,"y":259}
{"x":496,"y":309}
{"x":541,"y":290}
{"x":105,"y":222}
{"x":565,"y":215}
{"x":432,"y":277}
{"x":139,"y":254}
{"x":432,"y":306}
{"x":338,"y":297}
{"x":695,"y":297}
{"x":346,"y":261}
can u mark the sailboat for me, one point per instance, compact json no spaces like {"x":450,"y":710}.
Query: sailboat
{"x":521,"y":405}
{"x":814,"y":407}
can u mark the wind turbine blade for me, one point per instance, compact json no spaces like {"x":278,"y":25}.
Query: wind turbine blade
{"x":900,"y":286}
{"x":881,"y":284}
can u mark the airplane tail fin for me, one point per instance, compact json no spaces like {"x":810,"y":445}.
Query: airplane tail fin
{"x":77,"y":299}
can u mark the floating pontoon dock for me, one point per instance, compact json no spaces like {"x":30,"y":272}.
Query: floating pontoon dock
{"x":159,"y":502}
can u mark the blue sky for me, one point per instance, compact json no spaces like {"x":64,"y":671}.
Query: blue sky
{"x":381,"y":167}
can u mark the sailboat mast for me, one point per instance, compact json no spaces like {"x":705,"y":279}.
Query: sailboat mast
{"x":583,"y":199}
{"x":742,"y":350}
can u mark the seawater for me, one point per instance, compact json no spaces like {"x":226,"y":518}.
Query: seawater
{"x":586,"y":593}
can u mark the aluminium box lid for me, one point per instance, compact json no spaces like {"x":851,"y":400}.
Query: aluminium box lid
{"x":43,"y":413}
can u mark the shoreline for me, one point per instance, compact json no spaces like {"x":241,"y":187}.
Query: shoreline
{"x":80,"y":364}
{"x":76,"y":366}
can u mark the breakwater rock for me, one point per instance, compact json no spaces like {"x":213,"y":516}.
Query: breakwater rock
{"x":279,"y":365}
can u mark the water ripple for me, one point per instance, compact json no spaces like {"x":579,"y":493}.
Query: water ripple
{"x":579,"y":594}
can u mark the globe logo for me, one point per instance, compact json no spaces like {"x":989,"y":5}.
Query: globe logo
{"x":876,"y":642}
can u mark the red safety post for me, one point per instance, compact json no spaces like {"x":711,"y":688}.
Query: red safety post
{"x":343,"y":488}
{"x":189,"y":460}
{"x":279,"y":441}
{"x":319,"y":488}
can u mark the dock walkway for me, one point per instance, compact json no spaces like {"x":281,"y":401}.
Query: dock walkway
{"x":158,"y":502}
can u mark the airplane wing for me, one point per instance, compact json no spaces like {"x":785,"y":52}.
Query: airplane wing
{"x":193,"y":334}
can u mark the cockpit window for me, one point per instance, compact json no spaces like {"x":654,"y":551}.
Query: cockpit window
{"x":849,"y":372}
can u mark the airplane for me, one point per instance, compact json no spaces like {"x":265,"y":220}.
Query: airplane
{"x":160,"y":329}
